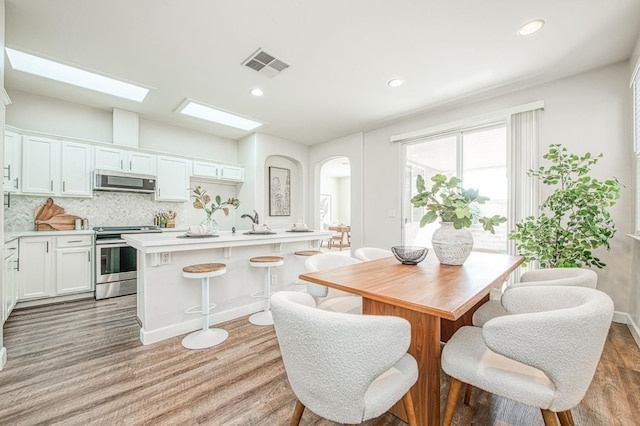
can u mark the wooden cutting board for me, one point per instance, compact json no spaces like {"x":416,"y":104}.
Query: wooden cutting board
{"x":61,"y":222}
{"x":46,"y":212}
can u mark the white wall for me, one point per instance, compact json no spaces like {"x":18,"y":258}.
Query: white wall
{"x":588,"y":112}
{"x":351,"y":147}
{"x":634,"y":294}
{"x":257,"y":152}
{"x":60,"y":118}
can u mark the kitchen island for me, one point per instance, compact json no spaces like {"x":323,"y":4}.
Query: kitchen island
{"x":164,"y":295}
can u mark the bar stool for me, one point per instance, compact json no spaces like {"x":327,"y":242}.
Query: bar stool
{"x":264,"y":317}
{"x":207,"y":337}
{"x":303,"y":254}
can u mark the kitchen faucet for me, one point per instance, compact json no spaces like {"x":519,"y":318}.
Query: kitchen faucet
{"x":254,"y":218}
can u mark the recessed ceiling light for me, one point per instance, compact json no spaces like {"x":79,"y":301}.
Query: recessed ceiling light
{"x":198,"y":110}
{"x":531,"y":27}
{"x":257,"y":92}
{"x":396,"y":82}
{"x":41,"y":67}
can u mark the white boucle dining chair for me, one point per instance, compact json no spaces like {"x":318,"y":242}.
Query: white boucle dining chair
{"x":346,"y":368}
{"x":331,"y":299}
{"x":543,"y":354}
{"x":541,"y":277}
{"x":371,"y":253}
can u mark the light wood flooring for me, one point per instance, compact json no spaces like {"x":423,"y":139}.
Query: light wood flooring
{"x":81,"y":363}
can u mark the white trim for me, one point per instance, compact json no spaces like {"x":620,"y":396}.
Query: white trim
{"x":467,"y":122}
{"x":7,"y":99}
{"x":173,"y":330}
{"x":3,"y":357}
{"x":625,"y":318}
{"x":636,"y":73}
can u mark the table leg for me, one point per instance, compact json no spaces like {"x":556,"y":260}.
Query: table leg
{"x":425,"y":348}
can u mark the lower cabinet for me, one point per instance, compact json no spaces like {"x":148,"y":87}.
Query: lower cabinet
{"x":10,"y":278}
{"x":55,"y":266}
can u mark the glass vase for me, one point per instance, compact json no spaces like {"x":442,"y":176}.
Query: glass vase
{"x":211,"y":226}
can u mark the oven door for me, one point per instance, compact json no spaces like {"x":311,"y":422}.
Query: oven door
{"x":116,"y":261}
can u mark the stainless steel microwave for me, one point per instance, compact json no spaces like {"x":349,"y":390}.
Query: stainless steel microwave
{"x":108,"y":180}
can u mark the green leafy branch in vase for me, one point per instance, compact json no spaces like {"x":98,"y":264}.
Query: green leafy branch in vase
{"x":450,"y":202}
{"x":202,"y":199}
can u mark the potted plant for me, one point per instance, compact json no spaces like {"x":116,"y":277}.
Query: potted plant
{"x":573,"y":221}
{"x":202,"y":200}
{"x":457,"y":208}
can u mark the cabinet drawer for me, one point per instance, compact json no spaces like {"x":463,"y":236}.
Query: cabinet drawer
{"x":74,"y":241}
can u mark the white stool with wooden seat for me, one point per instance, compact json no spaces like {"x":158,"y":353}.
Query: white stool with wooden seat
{"x":264,"y":317}
{"x":304,"y":254}
{"x":207,"y":337}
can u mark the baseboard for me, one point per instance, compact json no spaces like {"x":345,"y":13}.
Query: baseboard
{"x":3,"y":357}
{"x":625,"y":318}
{"x":149,"y":337}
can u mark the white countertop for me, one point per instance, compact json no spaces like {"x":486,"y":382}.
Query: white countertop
{"x":10,"y":236}
{"x":172,"y":241}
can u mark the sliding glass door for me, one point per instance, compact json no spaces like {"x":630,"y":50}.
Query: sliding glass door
{"x":479,"y":157}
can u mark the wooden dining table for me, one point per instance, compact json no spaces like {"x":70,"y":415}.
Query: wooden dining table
{"x":436,"y":299}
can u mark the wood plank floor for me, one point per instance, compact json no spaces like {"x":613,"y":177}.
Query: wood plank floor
{"x":81,"y":363}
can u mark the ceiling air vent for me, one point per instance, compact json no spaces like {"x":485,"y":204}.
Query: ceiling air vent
{"x":264,"y":63}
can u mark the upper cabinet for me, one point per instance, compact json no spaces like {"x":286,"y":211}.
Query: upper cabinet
{"x":53,"y":167}
{"x":12,"y":162}
{"x":204,"y":169}
{"x":173,"y":179}
{"x":120,"y":160}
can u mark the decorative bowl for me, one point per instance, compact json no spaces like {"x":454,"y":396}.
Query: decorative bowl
{"x":410,"y":255}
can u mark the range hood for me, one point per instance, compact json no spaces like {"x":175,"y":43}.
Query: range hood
{"x":109,"y":180}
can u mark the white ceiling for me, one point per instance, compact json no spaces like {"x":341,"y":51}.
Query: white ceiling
{"x":341,"y":54}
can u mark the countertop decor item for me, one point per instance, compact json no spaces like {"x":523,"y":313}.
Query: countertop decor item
{"x":202,"y":200}
{"x":410,"y":255}
{"x":573,"y":221}
{"x":457,"y":208}
{"x":50,"y":217}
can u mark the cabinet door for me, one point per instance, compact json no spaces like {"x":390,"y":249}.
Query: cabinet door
{"x":76,"y":169}
{"x":107,"y":158}
{"x":40,"y":165}
{"x":232,"y":173}
{"x":173,"y":179}
{"x":12,"y":162}
{"x":73,"y":270}
{"x":10,"y":282}
{"x":35,"y":278}
{"x":205,"y":169}
{"x":140,"y":162}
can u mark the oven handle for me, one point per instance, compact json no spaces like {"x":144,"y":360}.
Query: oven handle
{"x":112,"y":244}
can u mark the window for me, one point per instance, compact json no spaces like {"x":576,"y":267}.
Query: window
{"x":479,"y":157}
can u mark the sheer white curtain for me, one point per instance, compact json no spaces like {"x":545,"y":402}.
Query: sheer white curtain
{"x":524,"y":191}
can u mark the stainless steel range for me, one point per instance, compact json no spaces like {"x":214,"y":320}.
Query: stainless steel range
{"x":116,"y":271}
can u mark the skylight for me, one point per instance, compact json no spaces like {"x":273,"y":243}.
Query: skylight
{"x":205,"y":112}
{"x":41,"y":67}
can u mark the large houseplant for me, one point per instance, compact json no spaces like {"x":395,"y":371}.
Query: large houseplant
{"x":457,"y":208}
{"x":573,"y":221}
{"x":202,"y":200}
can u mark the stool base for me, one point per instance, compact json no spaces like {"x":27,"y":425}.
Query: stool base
{"x":203,"y":339}
{"x":261,"y":318}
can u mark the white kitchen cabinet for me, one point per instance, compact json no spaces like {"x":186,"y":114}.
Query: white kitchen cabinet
{"x":76,"y":169}
{"x":107,"y":158}
{"x":12,"y":162}
{"x":73,"y":264}
{"x":40,"y":165}
{"x":206,"y":169}
{"x":172,"y":179}
{"x":10,"y":278}
{"x":53,"y":167}
{"x":35,"y":278}
{"x":232,"y":173}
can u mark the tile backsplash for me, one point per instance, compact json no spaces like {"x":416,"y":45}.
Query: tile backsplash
{"x":103,"y":209}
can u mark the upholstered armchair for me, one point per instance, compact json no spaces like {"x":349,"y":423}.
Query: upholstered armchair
{"x":331,"y":299}
{"x":551,"y":276}
{"x":543,"y":354}
{"x":371,"y":253}
{"x":343,"y":367}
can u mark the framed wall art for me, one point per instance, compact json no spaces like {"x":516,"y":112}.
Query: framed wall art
{"x":279,"y":191}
